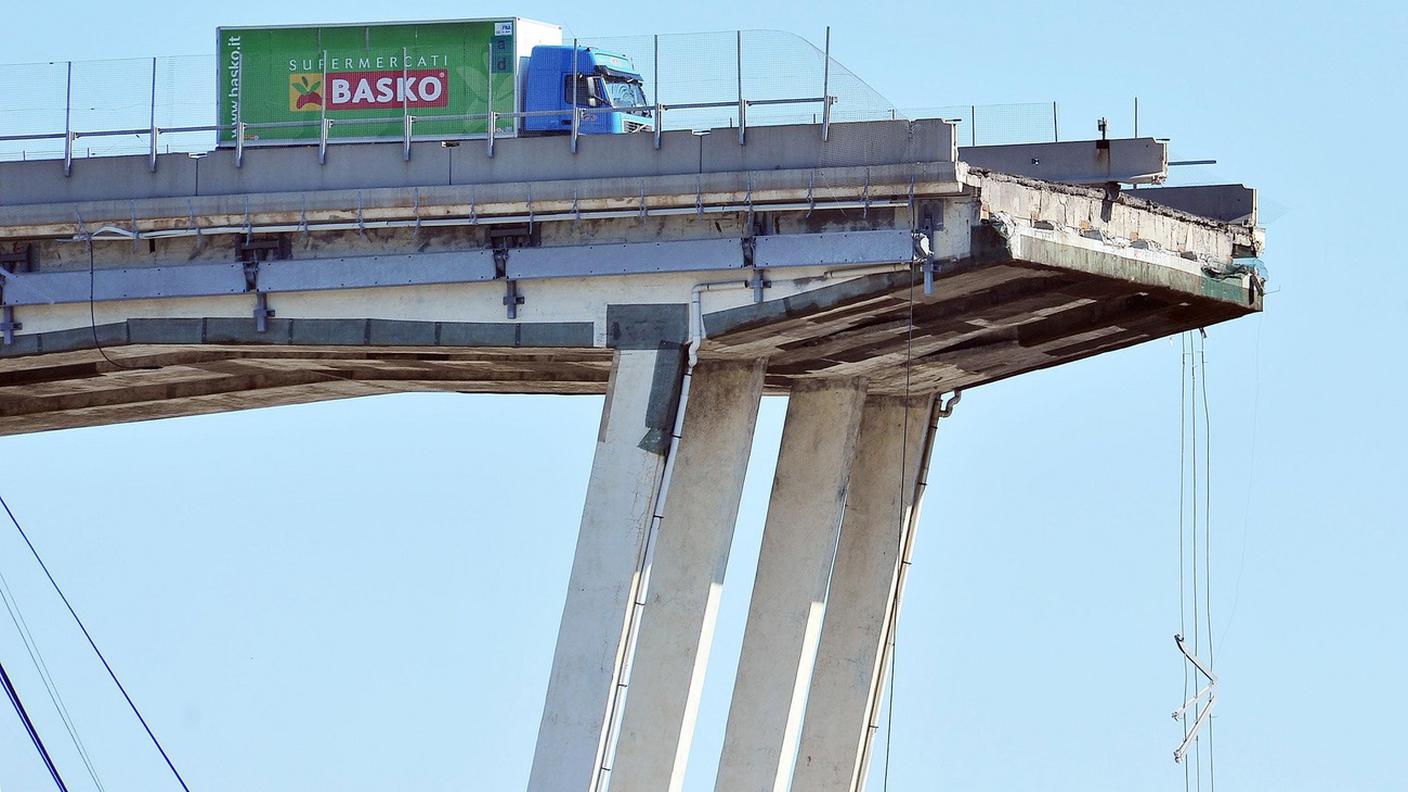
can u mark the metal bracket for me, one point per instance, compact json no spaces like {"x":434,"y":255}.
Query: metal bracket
{"x":191,"y":215}
{"x":758,"y":283}
{"x":18,"y":261}
{"x":929,"y":223}
{"x":251,"y":253}
{"x":512,"y":299}
{"x":1208,"y":691}
{"x":136,"y":232}
{"x":262,"y":312}
{"x":303,"y":223}
{"x":8,"y":325}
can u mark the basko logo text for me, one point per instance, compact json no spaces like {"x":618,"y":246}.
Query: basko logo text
{"x":369,"y":90}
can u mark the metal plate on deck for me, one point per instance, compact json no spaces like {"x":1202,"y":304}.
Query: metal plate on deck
{"x":834,"y":248}
{"x":135,"y":283}
{"x":364,"y":272}
{"x":630,"y":258}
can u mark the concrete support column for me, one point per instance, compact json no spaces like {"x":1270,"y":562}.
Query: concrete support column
{"x":630,"y":458}
{"x":847,"y":679}
{"x":686,"y":577}
{"x":784,"y":617}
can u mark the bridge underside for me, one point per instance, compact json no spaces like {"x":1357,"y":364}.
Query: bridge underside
{"x":984,"y":320}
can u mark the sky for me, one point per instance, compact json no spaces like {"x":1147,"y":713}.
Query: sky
{"x":364,"y":595}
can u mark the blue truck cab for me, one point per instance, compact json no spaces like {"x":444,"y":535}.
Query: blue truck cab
{"x":603,"y":80}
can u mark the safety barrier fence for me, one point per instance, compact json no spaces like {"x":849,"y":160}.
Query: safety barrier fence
{"x":77,"y":109}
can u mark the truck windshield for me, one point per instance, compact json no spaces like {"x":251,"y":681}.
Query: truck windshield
{"x":624,"y":93}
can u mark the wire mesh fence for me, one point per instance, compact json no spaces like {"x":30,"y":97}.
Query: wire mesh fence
{"x":690,"y":81}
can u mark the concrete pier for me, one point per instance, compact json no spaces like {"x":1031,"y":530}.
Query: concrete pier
{"x":687,"y":577}
{"x":785,"y":615}
{"x":625,"y":478}
{"x":848,"y":674}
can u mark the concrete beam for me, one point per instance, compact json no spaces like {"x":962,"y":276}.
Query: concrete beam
{"x":625,"y":477}
{"x":848,"y":677}
{"x":370,"y":166}
{"x":1228,"y":203}
{"x":687,"y":576}
{"x":1125,"y":160}
{"x":789,"y":592}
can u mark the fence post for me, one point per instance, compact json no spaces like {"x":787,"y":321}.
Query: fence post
{"x":494,"y":117}
{"x":239,"y":112}
{"x":826,"y":88}
{"x":576,"y":112}
{"x":973,"y":125}
{"x":68,"y":121}
{"x":742,"y":105}
{"x":322,"y":113}
{"x":1055,"y":124}
{"x":151,"y":162}
{"x":659,"y":109}
{"x":406,"y":105}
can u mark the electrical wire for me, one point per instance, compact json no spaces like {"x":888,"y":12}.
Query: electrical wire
{"x":93,"y":315}
{"x":113,"y":674}
{"x":15,"y":702}
{"x":1182,"y":502}
{"x":1207,"y":535}
{"x":899,"y":556}
{"x":37,"y":658}
{"x":1197,"y":705}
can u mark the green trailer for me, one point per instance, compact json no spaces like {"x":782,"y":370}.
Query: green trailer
{"x":358,"y":82}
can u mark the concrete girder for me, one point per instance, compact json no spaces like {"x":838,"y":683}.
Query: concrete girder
{"x":848,"y":676}
{"x":687,"y":576}
{"x":1123,"y":160}
{"x":621,"y":495}
{"x":789,"y":591}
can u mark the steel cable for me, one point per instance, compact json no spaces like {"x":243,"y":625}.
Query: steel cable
{"x":94,"y":645}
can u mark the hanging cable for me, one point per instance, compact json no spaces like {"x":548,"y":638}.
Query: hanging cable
{"x":15,"y":702}
{"x":1193,"y":395}
{"x":93,"y":315}
{"x":1193,"y":443}
{"x":901,"y":521}
{"x":1182,"y":502}
{"x":1207,"y":534}
{"x":37,"y":659}
{"x":93,"y":644}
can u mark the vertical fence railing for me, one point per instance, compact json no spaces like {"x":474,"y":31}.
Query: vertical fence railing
{"x":68,"y":120}
{"x":737,"y":79}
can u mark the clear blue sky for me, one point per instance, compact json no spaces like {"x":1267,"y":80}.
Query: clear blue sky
{"x":364,"y":595}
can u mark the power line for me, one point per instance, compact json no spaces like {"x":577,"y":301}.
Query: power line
{"x":36,"y":657}
{"x":94,"y":645}
{"x":15,"y":702}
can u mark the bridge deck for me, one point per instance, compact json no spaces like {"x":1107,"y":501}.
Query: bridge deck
{"x":1025,"y":274}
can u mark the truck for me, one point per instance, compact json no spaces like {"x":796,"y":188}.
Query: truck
{"x":287,"y":85}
